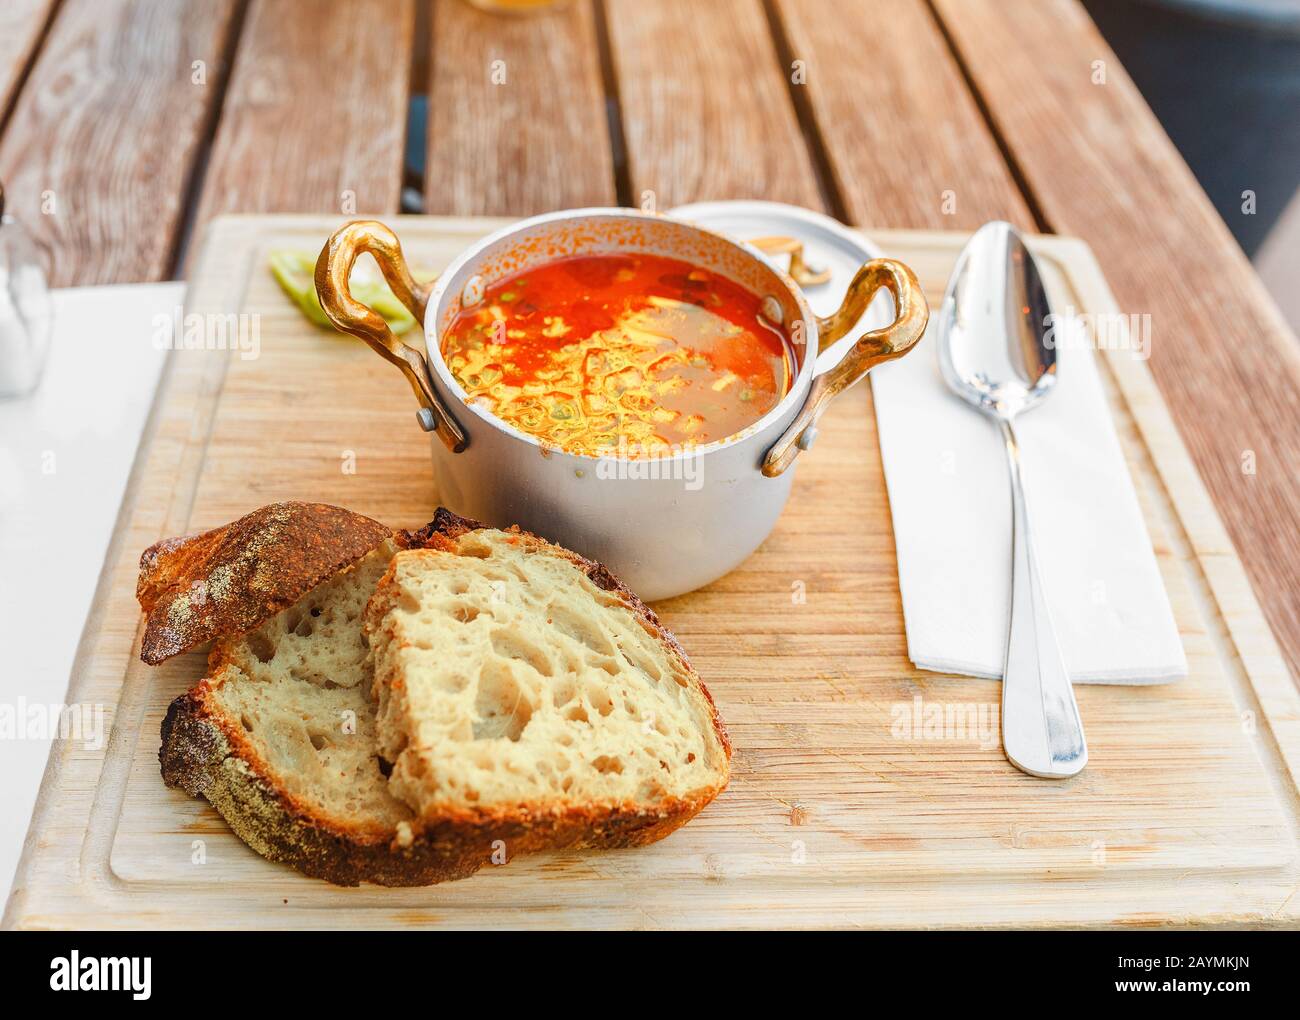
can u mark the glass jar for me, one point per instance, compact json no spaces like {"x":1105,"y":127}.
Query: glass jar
{"x":26,"y":318}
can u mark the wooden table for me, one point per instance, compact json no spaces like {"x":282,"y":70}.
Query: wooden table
{"x":126,"y":124}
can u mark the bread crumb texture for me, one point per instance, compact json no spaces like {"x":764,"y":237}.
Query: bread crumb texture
{"x":507,"y":678}
{"x":299,"y":687}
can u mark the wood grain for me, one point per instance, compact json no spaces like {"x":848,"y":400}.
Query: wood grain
{"x":21,"y":25}
{"x":705,"y":103}
{"x":517,"y":120}
{"x":1100,"y":166}
{"x":905,"y":142}
{"x":100,"y":149}
{"x":314,"y":118}
{"x":834,"y":816}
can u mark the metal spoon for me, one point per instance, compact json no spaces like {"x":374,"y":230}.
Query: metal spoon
{"x":995,"y":354}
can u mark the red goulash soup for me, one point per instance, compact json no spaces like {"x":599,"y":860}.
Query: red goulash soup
{"x":620,"y":354}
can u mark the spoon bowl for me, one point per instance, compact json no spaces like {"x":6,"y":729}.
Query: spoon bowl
{"x":995,"y":341}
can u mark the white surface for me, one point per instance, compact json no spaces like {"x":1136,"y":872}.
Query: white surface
{"x":949,"y":494}
{"x":65,"y":455}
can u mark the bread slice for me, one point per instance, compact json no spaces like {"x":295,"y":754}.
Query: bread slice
{"x":282,"y":737}
{"x":228,"y":580}
{"x":526,"y":696}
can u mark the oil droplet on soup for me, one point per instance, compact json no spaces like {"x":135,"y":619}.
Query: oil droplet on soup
{"x":620,"y":354}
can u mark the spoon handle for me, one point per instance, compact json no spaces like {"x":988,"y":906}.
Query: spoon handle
{"x":1042,"y":733}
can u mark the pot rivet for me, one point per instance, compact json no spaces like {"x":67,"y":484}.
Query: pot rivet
{"x":472,"y":293}
{"x":772,"y":309}
{"x":807,"y":437}
{"x":426,"y":419}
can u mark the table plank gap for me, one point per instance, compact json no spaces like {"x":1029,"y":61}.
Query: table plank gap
{"x":517,"y":122}
{"x":705,"y":107}
{"x":314,"y":118}
{"x":24,"y":26}
{"x":904,"y":139}
{"x":613,"y":107}
{"x":1034,"y":207}
{"x":104,"y":136}
{"x":194,"y":187}
{"x":788,"y":61}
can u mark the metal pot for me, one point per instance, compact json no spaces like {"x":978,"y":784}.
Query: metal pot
{"x":664,"y":525}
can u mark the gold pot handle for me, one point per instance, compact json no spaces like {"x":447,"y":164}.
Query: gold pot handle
{"x":885,"y":344}
{"x":334,"y":270}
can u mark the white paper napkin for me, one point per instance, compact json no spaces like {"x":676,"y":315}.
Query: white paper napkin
{"x":949,"y":495}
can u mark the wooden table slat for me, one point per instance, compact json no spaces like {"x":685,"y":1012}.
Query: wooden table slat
{"x":517,"y":119}
{"x":906,"y":144}
{"x":706,"y":105}
{"x":100,"y":150}
{"x":315,"y":113}
{"x":1100,"y":167}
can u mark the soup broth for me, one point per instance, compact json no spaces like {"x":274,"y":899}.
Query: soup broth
{"x":620,"y":354}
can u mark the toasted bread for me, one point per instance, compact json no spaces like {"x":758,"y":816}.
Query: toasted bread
{"x":283,"y":738}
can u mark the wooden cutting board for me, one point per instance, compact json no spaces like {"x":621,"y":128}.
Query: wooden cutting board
{"x":839,"y":812}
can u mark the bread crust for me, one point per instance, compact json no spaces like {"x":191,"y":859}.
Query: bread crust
{"x":204,"y":756}
{"x":207,"y":756}
{"x":231,"y":579}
